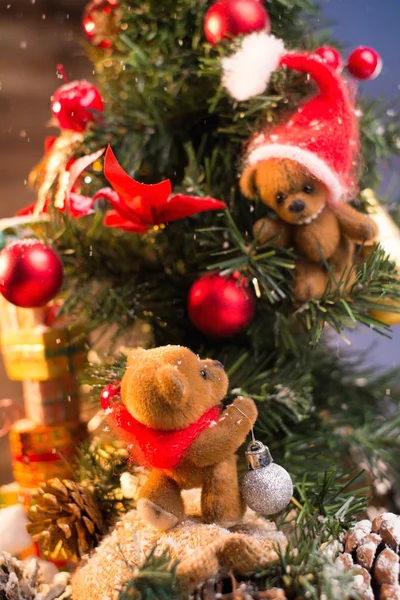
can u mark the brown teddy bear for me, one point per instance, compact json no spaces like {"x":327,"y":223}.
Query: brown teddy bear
{"x":321,"y":234}
{"x":305,"y":167}
{"x":169,"y":411}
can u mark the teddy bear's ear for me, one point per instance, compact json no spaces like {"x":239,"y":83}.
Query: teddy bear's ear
{"x":133,"y":354}
{"x":248,"y":182}
{"x":171,"y":384}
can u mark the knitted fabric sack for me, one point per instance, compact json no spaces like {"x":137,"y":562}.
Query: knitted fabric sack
{"x":202,"y":550}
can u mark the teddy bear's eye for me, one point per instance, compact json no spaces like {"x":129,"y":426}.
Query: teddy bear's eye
{"x":203,"y":374}
{"x":280,"y":197}
{"x":308,"y":189}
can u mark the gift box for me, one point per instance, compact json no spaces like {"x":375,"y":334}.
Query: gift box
{"x":13,"y":317}
{"x":43,"y":353}
{"x":13,"y":493}
{"x":52,"y":402}
{"x":42,"y":452}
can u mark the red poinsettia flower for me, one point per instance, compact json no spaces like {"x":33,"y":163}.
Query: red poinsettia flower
{"x":138,"y":206}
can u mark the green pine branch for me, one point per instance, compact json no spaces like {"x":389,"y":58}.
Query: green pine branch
{"x":100,"y":466}
{"x":155,"y":579}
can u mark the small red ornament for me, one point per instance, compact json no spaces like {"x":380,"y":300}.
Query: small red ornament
{"x":228,"y":18}
{"x":220,"y":306}
{"x":247,"y":16}
{"x":97,"y":19}
{"x":31,"y":273}
{"x":75,"y":104}
{"x":364,"y":63}
{"x":331,"y":56}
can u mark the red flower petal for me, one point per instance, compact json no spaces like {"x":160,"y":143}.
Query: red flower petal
{"x":79,"y":206}
{"x":27,"y":210}
{"x":107,"y":194}
{"x":49,"y":142}
{"x":180,"y":206}
{"x":30,"y":209}
{"x":114,"y":219}
{"x":138,"y":198}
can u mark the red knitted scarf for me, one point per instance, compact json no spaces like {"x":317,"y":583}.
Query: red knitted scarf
{"x":154,"y":447}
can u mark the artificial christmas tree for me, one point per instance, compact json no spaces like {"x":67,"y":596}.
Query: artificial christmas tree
{"x":146,"y":204}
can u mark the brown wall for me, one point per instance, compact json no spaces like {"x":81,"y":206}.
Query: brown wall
{"x":34,"y":37}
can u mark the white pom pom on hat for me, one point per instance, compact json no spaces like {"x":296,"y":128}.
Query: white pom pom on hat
{"x":247,"y":73}
{"x":322,"y":134}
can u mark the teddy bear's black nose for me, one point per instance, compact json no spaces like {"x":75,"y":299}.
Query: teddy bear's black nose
{"x":297,"y":206}
{"x":218,"y":364}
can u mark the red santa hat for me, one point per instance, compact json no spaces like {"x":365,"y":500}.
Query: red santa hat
{"x":322,"y":134}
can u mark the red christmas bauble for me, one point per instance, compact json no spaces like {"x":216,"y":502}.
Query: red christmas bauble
{"x":228,"y":18}
{"x":31,"y":273}
{"x":364,"y":63}
{"x":216,"y":23}
{"x":96,"y":21}
{"x":247,"y":16}
{"x":108,"y":393}
{"x":220,"y":306}
{"x":331,"y":56}
{"x":75,"y":104}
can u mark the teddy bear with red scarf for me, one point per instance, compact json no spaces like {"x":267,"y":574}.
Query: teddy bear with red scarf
{"x":168,"y":409}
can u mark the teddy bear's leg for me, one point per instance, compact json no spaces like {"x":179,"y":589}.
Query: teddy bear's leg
{"x":310,"y":280}
{"x":160,"y":503}
{"x":221,"y":500}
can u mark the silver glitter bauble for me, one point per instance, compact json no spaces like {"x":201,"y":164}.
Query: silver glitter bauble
{"x":267,"y":488}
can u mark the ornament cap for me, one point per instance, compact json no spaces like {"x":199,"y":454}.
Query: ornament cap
{"x":258,"y":456}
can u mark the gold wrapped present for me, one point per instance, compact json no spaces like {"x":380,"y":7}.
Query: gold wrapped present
{"x":52,"y":402}
{"x":43,"y":353}
{"x":13,"y":493}
{"x":41,"y":452}
{"x":13,"y":317}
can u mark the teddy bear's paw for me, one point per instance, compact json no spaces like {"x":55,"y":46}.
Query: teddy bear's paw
{"x":155,"y":516}
{"x":247,"y":407}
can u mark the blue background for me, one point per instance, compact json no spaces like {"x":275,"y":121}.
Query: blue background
{"x":373,"y":23}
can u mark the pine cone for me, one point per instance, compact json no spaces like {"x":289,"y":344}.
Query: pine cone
{"x":245,"y":590}
{"x":17,"y":581}
{"x":371,"y":550}
{"x":65,"y":518}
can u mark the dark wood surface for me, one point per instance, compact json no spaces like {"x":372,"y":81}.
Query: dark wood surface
{"x":34,"y":37}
